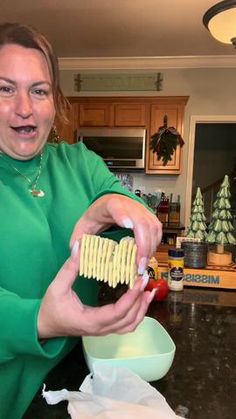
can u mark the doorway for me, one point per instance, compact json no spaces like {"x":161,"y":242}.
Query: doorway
{"x":212,"y":154}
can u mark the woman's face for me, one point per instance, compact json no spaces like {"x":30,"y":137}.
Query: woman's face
{"x":26,"y":101}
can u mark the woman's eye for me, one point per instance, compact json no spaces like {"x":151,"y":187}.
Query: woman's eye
{"x":6,"y":90}
{"x":40,"y":92}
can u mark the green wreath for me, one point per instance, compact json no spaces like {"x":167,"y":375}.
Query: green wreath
{"x":165,"y":141}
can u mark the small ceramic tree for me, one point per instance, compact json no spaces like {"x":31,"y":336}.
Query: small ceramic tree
{"x":221,"y":228}
{"x":197,"y":228}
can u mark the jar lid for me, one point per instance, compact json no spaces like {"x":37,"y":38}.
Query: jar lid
{"x":178,"y":253}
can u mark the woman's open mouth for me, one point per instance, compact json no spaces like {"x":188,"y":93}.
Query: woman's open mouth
{"x":25,"y":129}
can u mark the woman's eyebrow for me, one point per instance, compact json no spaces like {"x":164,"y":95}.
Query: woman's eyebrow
{"x":7,"y":80}
{"x":37,"y":83}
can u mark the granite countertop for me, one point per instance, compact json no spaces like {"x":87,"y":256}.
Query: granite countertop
{"x":201,"y":383}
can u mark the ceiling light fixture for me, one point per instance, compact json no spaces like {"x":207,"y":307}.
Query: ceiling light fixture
{"x":220,"y":20}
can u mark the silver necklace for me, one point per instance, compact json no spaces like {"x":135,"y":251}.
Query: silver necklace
{"x":35,"y":192}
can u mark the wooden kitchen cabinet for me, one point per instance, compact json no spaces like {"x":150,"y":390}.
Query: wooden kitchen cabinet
{"x":66,"y":131}
{"x":95,"y":115}
{"x":129,"y":115}
{"x":142,"y":111}
{"x":112,"y":115}
{"x":174,"y":109}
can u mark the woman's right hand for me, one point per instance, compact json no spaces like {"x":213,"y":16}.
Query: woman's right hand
{"x":62,"y":313}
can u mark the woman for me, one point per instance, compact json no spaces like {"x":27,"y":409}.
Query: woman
{"x":50,"y":196}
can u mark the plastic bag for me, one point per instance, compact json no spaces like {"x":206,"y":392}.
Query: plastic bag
{"x":112,"y":393}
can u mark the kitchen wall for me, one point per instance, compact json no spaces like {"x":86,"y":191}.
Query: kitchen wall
{"x":210,"y":91}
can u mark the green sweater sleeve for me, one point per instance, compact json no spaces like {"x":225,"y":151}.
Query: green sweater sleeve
{"x":18,"y":325}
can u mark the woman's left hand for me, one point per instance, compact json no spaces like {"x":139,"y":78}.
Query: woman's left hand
{"x":116,"y":209}
{"x":62,"y":313}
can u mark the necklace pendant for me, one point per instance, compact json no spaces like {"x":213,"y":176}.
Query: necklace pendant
{"x":37,"y":193}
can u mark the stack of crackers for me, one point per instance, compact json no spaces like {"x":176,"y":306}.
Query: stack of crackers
{"x":106,"y":260}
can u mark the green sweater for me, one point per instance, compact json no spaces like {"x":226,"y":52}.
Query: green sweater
{"x":35,"y":234}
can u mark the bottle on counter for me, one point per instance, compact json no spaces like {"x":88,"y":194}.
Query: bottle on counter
{"x":176,"y":269}
{"x":175,"y":308}
{"x":174,"y":212}
{"x":163,"y":209}
{"x":153,"y":268}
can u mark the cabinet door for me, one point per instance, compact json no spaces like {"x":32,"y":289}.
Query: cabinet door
{"x":129,"y":115}
{"x":174,"y":114}
{"x":95,"y":115}
{"x":66,"y":131}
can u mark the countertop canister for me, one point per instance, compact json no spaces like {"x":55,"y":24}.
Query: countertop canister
{"x":195,"y":254}
{"x":175,"y":269}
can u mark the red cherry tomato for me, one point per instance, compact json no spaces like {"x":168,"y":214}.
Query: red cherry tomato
{"x":161,"y":286}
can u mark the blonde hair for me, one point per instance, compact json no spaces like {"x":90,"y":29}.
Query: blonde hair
{"x":28,"y":37}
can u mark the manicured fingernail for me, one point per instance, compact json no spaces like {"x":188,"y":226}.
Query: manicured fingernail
{"x":128,"y":223}
{"x":152,"y":295}
{"x":75,"y":249}
{"x":142,"y":266}
{"x":145,"y":279}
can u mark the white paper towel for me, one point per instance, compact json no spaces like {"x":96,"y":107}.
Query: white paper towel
{"x":108,"y":393}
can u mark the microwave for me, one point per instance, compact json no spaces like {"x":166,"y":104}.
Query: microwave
{"x":120,"y":148}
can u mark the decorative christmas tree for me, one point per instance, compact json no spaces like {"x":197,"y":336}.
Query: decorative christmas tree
{"x":221,"y":228}
{"x":197,"y":228}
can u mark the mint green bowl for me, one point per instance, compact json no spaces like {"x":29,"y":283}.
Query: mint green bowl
{"x":148,"y":351}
